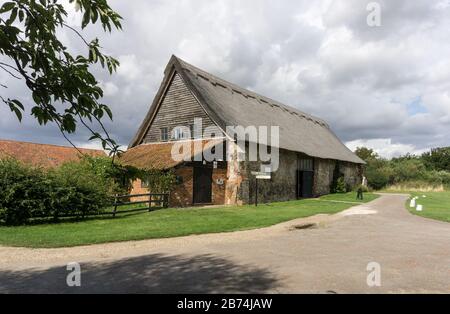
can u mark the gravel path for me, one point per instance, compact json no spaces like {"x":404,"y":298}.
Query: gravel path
{"x":316,"y":254}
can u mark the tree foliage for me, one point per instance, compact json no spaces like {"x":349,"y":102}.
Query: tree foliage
{"x":437,"y":159}
{"x":430,"y":168}
{"x":64,"y":90}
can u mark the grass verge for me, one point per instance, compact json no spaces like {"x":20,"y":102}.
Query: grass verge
{"x":436,"y":205}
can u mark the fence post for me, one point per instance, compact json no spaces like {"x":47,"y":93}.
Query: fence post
{"x":166,"y":200}
{"x":116,"y":199}
{"x":150,"y":202}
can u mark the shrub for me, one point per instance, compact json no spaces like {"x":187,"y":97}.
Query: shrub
{"x":72,"y":189}
{"x":80,"y":190}
{"x":377,"y":178}
{"x":340,"y":187}
{"x":120,"y":176}
{"x":25,"y":192}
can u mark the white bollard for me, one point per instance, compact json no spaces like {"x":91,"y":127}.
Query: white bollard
{"x":412,"y":203}
{"x":419,"y":208}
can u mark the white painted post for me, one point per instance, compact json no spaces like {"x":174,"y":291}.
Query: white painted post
{"x":412,"y":203}
{"x":419,"y":208}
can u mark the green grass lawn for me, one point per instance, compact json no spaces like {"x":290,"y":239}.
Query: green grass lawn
{"x":436,"y":205}
{"x":349,"y":197}
{"x":171,"y":222}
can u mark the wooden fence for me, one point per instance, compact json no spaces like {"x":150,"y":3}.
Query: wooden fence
{"x":161,"y":200}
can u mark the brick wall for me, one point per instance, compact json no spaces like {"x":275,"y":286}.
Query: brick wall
{"x":181,"y":194}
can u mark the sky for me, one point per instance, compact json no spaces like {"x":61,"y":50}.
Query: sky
{"x":386,"y":87}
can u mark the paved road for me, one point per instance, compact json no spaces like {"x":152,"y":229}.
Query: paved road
{"x":413,"y":252}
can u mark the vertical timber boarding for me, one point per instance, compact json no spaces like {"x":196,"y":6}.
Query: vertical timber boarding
{"x":178,"y":108}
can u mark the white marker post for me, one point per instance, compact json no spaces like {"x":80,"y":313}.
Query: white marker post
{"x":412,"y":203}
{"x":419,"y":208}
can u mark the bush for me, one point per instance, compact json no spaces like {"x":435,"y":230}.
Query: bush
{"x":377,"y":178}
{"x":27,"y":192}
{"x":80,"y":190}
{"x":121,"y":177}
{"x":340,"y":187}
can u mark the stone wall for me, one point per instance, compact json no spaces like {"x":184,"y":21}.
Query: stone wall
{"x":281,"y":186}
{"x":324,"y":170}
{"x":323,"y":176}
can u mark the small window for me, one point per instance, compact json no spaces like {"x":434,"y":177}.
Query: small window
{"x":180,"y":133}
{"x":164,"y":135}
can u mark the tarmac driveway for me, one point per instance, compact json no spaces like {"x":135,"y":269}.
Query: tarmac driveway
{"x":413,"y":254}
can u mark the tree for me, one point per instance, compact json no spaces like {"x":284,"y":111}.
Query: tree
{"x":377,"y":169}
{"x":366,"y":154}
{"x":64,"y":90}
{"x":437,"y":159}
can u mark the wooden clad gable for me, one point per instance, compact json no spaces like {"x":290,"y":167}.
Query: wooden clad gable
{"x":178,"y":107}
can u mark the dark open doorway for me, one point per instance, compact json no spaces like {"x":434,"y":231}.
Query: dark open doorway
{"x":202,"y":185}
{"x":305,"y":181}
{"x":305,"y":177}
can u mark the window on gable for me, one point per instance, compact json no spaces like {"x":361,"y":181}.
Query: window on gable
{"x":180,"y":133}
{"x":164,"y":134}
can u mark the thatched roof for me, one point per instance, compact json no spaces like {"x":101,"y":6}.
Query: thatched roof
{"x":159,"y":155}
{"x":44,"y":155}
{"x":230,"y":105}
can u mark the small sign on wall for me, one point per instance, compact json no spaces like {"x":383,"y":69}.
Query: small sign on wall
{"x":219,"y":181}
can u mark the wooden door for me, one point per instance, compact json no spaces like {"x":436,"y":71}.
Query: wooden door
{"x":202,"y":185}
{"x":307,"y":183}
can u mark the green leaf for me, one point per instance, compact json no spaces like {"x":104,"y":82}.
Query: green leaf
{"x":21,"y":15}
{"x":108,"y":112}
{"x":7,"y":6}
{"x":12,"y":17}
{"x":16,"y":107}
{"x":86,"y":18}
{"x":18,"y":104}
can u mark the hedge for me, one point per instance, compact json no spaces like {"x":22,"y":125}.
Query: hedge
{"x":27,"y":192}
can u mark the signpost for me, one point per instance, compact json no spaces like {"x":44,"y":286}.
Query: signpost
{"x":260,"y":176}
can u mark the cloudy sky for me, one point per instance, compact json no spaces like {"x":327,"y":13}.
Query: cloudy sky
{"x":385,"y":87}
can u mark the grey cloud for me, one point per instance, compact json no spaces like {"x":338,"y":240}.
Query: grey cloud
{"x":321,"y":58}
